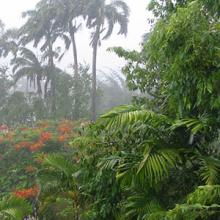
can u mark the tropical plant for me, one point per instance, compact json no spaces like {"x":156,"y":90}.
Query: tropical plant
{"x":67,"y":14}
{"x":41,"y":27}
{"x":28,"y":65}
{"x":61,"y":186}
{"x":14,"y":208}
{"x":98,"y":12}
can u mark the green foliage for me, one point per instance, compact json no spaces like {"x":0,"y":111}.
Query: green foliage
{"x":5,"y":84}
{"x":57,"y":187}
{"x":178,"y":65}
{"x":210,"y":170}
{"x":16,"y":110}
{"x":98,"y":12}
{"x":157,"y":163}
{"x":146,"y":162}
{"x":14,"y":208}
{"x":201,"y":204}
{"x":28,"y":65}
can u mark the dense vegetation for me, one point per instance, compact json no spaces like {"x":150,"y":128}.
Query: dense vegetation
{"x":157,"y":158}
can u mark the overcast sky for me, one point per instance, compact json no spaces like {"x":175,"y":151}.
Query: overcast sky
{"x":10,"y":14}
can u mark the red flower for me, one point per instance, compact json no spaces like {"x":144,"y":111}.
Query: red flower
{"x":46,"y":136}
{"x":62,"y":138}
{"x":64,"y":127}
{"x":37,"y":146}
{"x":27,"y":193}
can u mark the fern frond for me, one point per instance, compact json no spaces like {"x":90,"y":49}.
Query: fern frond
{"x":109,"y":163}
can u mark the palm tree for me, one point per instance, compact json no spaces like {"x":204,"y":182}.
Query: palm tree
{"x":27,"y":64}
{"x":99,"y":12}
{"x":41,"y":27}
{"x":66,"y":18}
{"x":68,"y":11}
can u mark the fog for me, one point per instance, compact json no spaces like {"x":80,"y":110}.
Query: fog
{"x":10,"y":13}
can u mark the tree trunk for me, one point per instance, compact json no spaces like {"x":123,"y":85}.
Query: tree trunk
{"x":39,"y":89}
{"x":94,"y":63}
{"x":52,"y":79}
{"x":46,"y":87}
{"x":76,"y":73}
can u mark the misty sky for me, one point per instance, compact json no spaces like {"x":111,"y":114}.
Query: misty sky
{"x":10,"y":14}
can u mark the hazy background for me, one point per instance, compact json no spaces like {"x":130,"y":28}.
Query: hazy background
{"x":10,"y":14}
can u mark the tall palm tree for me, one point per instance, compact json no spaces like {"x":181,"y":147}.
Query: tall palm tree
{"x":68,"y":12}
{"x":28,"y":64}
{"x":101,"y":18}
{"x":41,"y":27}
{"x":66,"y":18}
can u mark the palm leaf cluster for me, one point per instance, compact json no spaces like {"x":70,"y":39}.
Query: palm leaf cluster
{"x":151,"y":157}
{"x":14,"y":209}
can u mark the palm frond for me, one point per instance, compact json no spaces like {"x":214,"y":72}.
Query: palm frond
{"x":24,"y":72}
{"x":66,"y":40}
{"x":128,"y":114}
{"x":210,"y":170}
{"x":140,"y":205}
{"x":194,"y":124}
{"x":201,"y":204}
{"x":192,"y":212}
{"x":157,"y":163}
{"x":205,"y":195}
{"x":56,"y":176}
{"x":122,"y":5}
{"x":60,"y":163}
{"x":14,"y":208}
{"x":84,"y":141}
{"x":29,"y":55}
